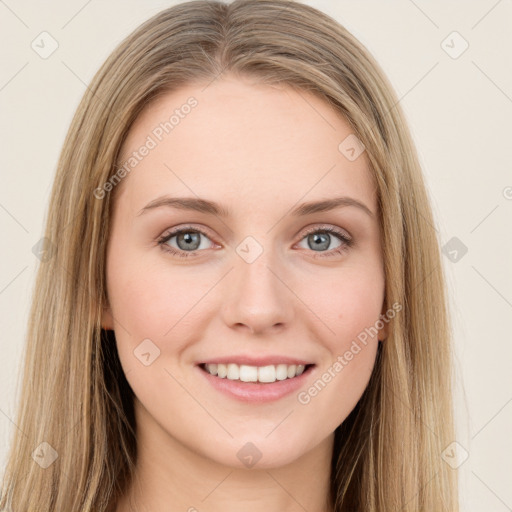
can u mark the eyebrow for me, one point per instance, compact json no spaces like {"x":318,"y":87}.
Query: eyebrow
{"x":210,"y":207}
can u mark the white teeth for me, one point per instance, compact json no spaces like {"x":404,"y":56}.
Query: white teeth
{"x":246,"y":373}
{"x":267,"y":373}
{"x":233,"y":371}
{"x":281,"y":371}
{"x":222,"y":370}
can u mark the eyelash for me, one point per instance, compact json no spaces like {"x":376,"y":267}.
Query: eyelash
{"x":347,"y":242}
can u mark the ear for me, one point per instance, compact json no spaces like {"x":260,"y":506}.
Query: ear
{"x":107,"y":320}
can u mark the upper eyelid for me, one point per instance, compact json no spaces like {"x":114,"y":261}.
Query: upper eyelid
{"x":327,"y":227}
{"x":168,"y":234}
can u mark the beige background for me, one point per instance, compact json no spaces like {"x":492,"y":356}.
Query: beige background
{"x":459,"y":110}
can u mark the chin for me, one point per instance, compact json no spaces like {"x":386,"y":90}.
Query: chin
{"x":259,"y":452}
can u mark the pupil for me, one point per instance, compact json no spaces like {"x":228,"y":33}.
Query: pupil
{"x":321,"y":240}
{"x":190,"y":239}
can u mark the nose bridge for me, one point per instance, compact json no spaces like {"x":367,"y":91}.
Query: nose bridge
{"x":257,"y":297}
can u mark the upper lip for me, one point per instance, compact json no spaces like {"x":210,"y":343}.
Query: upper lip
{"x":256,"y":360}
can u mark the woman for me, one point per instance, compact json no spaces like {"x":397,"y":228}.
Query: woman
{"x":243,"y":302}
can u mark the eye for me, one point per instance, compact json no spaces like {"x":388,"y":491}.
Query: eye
{"x":320,"y":239}
{"x":188,"y":240}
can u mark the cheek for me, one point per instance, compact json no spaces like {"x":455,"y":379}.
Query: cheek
{"x":347,"y":301}
{"x":137,"y":298}
{"x":350,"y":308}
{"x":151,"y":301}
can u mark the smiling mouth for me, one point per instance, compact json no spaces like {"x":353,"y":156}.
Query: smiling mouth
{"x":256,"y":374}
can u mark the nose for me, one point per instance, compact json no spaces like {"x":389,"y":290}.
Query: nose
{"x":257,"y":297}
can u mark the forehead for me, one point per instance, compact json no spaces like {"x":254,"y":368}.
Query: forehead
{"x":245,"y":142}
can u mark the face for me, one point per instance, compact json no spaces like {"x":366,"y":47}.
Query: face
{"x":255,"y":279}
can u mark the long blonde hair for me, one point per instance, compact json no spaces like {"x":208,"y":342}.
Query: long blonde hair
{"x":76,"y":403}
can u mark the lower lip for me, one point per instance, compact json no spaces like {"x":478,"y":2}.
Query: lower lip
{"x":256,"y":391}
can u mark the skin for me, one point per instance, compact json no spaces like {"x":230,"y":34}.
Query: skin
{"x":259,"y":151}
